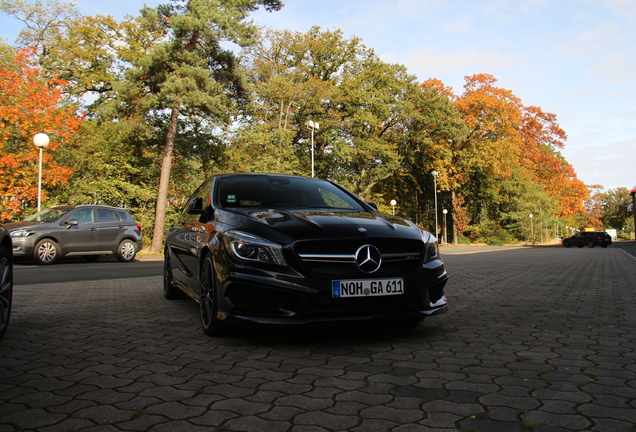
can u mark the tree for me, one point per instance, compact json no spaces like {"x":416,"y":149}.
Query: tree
{"x":190,"y":72}
{"x":29,"y":105}
{"x":617,"y":208}
{"x":359,"y":101}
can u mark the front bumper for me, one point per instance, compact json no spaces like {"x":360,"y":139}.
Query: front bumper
{"x":269,"y":297}
{"x":23,"y":246}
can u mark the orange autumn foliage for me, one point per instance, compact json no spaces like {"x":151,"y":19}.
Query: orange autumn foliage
{"x":29,"y":105}
{"x":503,"y":133}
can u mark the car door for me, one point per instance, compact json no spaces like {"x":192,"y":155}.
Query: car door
{"x":185,"y":239}
{"x":110,"y":229}
{"x":578,"y":240}
{"x":80,"y":236}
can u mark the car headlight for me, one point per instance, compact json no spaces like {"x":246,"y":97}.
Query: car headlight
{"x":249,"y":247}
{"x":431,"y":247}
{"x":22,"y":233}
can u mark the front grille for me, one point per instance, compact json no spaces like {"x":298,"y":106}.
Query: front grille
{"x":336,"y":258}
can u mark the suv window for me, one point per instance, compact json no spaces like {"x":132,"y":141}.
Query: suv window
{"x":83,"y":216}
{"x":107,"y":215}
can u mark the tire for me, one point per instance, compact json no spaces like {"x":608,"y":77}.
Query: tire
{"x":90,"y":258}
{"x":6,"y":289}
{"x":590,"y":244}
{"x":208,"y":302}
{"x":170,"y":291}
{"x":126,"y":251}
{"x":566,"y":244}
{"x":46,"y":252}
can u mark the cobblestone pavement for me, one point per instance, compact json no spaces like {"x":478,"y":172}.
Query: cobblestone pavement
{"x":536,"y":339}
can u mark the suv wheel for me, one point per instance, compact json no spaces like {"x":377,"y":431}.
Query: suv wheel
{"x":126,"y":251}
{"x":590,"y":244}
{"x":46,"y":252}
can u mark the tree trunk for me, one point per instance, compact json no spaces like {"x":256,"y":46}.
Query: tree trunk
{"x":164,"y":182}
{"x":455,"y":241}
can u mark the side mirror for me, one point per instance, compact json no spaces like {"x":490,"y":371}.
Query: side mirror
{"x":70,"y":223}
{"x":195,"y":206}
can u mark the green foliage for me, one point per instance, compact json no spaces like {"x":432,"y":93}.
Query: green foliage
{"x":463,"y":240}
{"x":618,"y":209}
{"x":170,"y":101}
{"x":492,"y":234}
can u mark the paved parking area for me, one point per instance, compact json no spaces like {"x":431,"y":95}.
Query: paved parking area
{"x":536,"y":339}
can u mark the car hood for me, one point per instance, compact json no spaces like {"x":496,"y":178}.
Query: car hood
{"x":289,"y":226}
{"x":25,"y":225}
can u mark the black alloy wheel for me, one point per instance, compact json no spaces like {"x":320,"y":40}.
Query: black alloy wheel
{"x":209,"y":301}
{"x":6,"y":289}
{"x":170,"y":291}
{"x":46,"y":252}
{"x":566,"y":244}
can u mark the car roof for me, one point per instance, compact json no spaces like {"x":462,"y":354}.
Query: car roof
{"x":70,"y":207}
{"x":243,"y":174}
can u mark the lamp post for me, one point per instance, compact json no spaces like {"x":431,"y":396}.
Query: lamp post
{"x":313,"y":126}
{"x":532,"y":228}
{"x":40,"y":140}
{"x":445,"y":231}
{"x":393,"y":204}
{"x":435,"y":174}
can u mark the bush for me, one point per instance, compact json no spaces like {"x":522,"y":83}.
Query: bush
{"x":492,"y":234}
{"x":463,"y":240}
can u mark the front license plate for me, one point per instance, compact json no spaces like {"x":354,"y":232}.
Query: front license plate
{"x":367,"y":287}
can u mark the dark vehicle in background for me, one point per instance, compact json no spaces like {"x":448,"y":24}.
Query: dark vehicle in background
{"x":6,"y":279}
{"x":88,"y":231}
{"x":279,"y":249}
{"x":589,"y":239}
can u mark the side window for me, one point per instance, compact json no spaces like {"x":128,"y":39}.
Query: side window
{"x":203,"y":192}
{"x":122,"y":215}
{"x":106,"y":215}
{"x":83,"y":216}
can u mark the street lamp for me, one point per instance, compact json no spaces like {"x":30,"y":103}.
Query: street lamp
{"x":435,"y":173}
{"x":445,"y":231}
{"x":532,"y":228}
{"x":40,"y":140}
{"x":313,"y":126}
{"x":393,"y":204}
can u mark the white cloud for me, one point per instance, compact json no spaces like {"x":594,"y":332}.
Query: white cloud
{"x":604,"y":164}
{"x":618,"y":66}
{"x":428,"y":63}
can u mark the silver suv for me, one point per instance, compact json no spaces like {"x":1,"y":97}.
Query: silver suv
{"x":88,"y":231}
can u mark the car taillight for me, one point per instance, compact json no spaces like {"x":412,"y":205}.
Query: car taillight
{"x":138,"y":227}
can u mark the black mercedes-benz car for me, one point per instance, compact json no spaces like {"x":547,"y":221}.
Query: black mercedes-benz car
{"x":276,"y":249}
{"x":6,"y":279}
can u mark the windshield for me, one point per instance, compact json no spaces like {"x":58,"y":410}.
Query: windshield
{"x":47,"y":215}
{"x":285,"y":192}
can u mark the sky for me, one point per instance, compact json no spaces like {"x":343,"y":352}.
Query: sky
{"x":573,"y":58}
